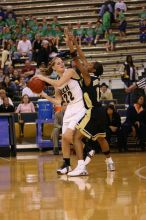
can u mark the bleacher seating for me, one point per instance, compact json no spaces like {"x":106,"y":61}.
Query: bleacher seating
{"x":84,"y":11}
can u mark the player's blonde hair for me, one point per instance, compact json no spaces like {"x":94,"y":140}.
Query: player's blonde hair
{"x":51,"y":64}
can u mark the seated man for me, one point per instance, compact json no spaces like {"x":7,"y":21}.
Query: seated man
{"x":6,"y":106}
{"x":58,"y":121}
{"x":28,"y":70}
{"x":24,"y":48}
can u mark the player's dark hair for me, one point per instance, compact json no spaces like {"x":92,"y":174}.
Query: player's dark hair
{"x":98,"y":67}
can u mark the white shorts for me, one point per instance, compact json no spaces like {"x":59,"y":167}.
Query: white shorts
{"x":72,"y":116}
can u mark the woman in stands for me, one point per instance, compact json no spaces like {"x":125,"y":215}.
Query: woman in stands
{"x":135,"y":124}
{"x":26,"y":106}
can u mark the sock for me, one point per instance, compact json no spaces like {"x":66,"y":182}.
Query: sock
{"x":81,"y":162}
{"x":109,"y":160}
{"x":106,"y":152}
{"x":67,"y":161}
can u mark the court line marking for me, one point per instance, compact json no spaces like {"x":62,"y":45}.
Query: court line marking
{"x":4,"y":159}
{"x":137,"y":172}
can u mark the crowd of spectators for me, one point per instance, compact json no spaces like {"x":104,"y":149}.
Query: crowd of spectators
{"x":29,"y":40}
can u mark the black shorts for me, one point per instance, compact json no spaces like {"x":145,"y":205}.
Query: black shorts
{"x":93,"y":124}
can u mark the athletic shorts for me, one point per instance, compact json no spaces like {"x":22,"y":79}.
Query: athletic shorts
{"x":93,"y":124}
{"x":73,"y":115}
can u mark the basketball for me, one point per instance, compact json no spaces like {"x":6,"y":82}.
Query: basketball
{"x":36,"y":85}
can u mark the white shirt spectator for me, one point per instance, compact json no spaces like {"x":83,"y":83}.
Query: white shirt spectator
{"x":24,"y":46}
{"x":27,"y":91}
{"x":121,"y":5}
{"x":10,"y":101}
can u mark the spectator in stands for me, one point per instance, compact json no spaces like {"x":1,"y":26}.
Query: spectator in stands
{"x":21,"y":85}
{"x":142,"y":15}
{"x":2,"y":14}
{"x":1,"y":76}
{"x":9,"y":10}
{"x":105,"y":92}
{"x":55,"y":23}
{"x":43,"y":53}
{"x":27,"y":91}
{"x":111,"y":40}
{"x":113,"y":122}
{"x":89,"y":34}
{"x":28,"y":70}
{"x":36,"y":46}
{"x":6,"y":58}
{"x":106,"y":20}
{"x":2,"y":23}
{"x":129,"y":76}
{"x":143,"y":31}
{"x":6,"y":106}
{"x":121,"y":5}
{"x":10,"y":21}
{"x":58,"y":121}
{"x":107,"y":5}
{"x":99,"y":31}
{"x":57,"y":33}
{"x":26,"y":106}
{"x":134,"y":124}
{"x":121,"y":19}
{"x":3,"y":95}
{"x":9,"y":86}
{"x":79,"y":33}
{"x":6,"y":35}
{"x":24,"y":48}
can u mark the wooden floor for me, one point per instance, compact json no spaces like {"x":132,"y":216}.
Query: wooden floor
{"x":31,"y":190}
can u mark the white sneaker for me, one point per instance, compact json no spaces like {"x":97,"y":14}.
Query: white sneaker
{"x":64,"y":169}
{"x":89,"y":156}
{"x":80,"y":170}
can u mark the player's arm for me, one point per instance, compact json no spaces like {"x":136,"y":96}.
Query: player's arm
{"x":81,"y":66}
{"x":56,"y":100}
{"x":57,"y":83}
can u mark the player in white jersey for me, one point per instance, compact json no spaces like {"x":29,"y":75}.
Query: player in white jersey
{"x":68,"y":89}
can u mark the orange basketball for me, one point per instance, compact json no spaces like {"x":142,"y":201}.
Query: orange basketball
{"x":36,"y":85}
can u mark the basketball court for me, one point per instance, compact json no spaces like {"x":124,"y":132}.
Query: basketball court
{"x":31,"y":189}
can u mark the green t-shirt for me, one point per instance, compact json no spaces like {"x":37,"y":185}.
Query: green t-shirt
{"x":2,"y":23}
{"x":11,"y":22}
{"x":78,"y":32}
{"x":121,"y":17}
{"x":142,"y":15}
{"x":111,"y":38}
{"x":99,"y":30}
{"x":106,"y":20}
{"x":57,"y":33}
{"x":49,"y":33}
{"x":55,"y":24}
{"x":7,"y":36}
{"x":89,"y":32}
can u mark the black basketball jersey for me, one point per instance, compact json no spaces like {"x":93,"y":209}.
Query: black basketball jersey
{"x":91,"y":93}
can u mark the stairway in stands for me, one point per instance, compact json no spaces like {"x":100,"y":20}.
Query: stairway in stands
{"x":72,"y":11}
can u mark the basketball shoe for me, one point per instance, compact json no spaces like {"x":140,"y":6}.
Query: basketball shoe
{"x":64,"y":169}
{"x":110,"y":164}
{"x":80,"y":170}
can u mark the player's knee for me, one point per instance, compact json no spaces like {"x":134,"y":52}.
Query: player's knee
{"x":67,"y":138}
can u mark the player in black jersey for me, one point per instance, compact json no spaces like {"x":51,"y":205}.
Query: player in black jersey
{"x":93,"y":124}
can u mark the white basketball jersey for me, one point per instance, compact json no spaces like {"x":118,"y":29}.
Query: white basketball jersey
{"x":71,"y":92}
